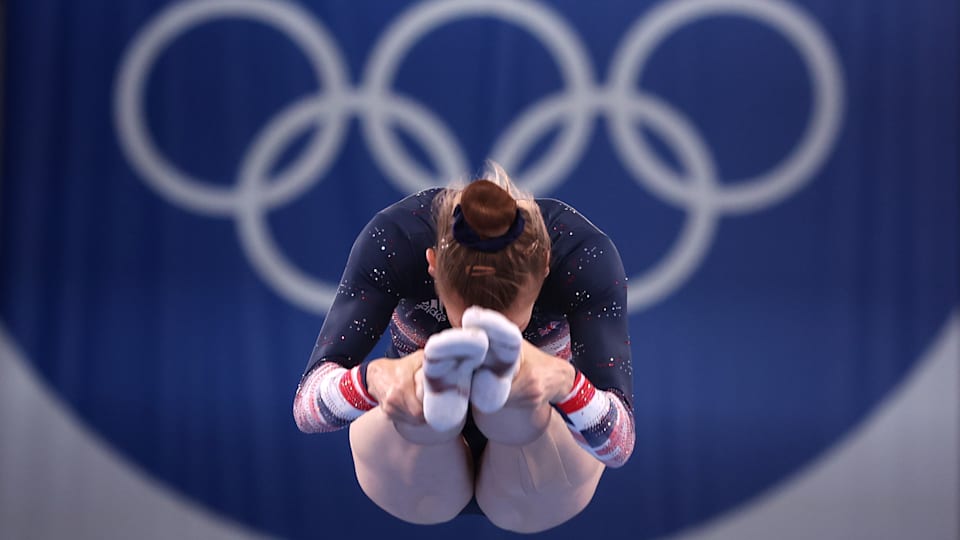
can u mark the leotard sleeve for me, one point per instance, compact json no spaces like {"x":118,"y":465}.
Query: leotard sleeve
{"x":332,"y":391}
{"x":590,"y":280}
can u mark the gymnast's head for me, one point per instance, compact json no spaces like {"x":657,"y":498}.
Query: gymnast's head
{"x":492,"y":248}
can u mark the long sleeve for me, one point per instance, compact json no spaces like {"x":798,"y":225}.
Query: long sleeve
{"x":384,"y":265}
{"x":588,"y":286}
{"x":599,"y":422}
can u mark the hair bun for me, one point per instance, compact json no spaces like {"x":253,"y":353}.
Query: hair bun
{"x":487,"y":208}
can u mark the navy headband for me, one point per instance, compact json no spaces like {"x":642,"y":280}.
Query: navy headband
{"x":467,"y":237}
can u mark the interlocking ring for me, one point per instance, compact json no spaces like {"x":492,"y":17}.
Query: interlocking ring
{"x":697,"y":190}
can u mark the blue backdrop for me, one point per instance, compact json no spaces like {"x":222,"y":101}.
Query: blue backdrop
{"x":182,"y":182}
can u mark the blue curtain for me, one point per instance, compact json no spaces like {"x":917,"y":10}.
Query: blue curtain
{"x":182,"y":181}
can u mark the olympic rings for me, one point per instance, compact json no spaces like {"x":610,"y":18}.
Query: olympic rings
{"x":699,"y":192}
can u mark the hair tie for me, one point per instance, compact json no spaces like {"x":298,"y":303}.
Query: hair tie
{"x":477,"y":270}
{"x":467,"y":237}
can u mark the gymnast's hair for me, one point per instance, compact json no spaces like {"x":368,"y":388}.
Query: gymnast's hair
{"x":507,"y":246}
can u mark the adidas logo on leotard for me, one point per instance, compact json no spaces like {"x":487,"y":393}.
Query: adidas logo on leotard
{"x":434,"y":309}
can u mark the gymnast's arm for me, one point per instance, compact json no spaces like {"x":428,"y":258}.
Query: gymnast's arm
{"x":598,"y":408}
{"x":333,"y":390}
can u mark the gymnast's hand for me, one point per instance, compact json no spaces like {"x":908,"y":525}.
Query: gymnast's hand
{"x":393,"y":384}
{"x":542,"y":378}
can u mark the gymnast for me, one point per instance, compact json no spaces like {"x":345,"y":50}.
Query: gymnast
{"x":506,"y":389}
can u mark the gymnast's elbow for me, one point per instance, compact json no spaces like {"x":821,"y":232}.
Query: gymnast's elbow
{"x":304,"y":417}
{"x":620,"y":454}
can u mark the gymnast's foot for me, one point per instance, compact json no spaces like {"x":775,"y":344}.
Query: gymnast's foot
{"x":492,"y":379}
{"x":450,"y":358}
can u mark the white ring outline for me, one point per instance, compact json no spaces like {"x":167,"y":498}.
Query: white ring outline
{"x":655,"y":283}
{"x":784,"y":179}
{"x":553,"y":32}
{"x":179,"y":187}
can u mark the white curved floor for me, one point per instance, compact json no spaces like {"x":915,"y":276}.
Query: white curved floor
{"x":894,"y":477}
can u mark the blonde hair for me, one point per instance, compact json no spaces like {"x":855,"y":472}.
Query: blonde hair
{"x":491,"y":206}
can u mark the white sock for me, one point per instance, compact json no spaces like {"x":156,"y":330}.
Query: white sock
{"x":492,"y":380}
{"x":449,"y":359}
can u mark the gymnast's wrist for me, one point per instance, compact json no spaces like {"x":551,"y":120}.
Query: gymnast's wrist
{"x":363,"y":382}
{"x":567,"y":377}
{"x":371,"y":378}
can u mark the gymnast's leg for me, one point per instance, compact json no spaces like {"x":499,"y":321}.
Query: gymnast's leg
{"x":533,"y":475}
{"x":411,"y":471}
{"x":409,"y":454}
{"x":538,"y":484}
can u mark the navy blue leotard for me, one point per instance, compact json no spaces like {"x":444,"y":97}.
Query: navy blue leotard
{"x":580,"y":315}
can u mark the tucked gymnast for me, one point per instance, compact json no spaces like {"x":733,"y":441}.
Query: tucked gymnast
{"x":506,"y":389}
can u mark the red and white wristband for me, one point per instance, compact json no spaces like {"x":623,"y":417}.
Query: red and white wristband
{"x":583,"y":406}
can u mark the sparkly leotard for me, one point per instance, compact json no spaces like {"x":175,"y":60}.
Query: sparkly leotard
{"x":579,"y":316}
